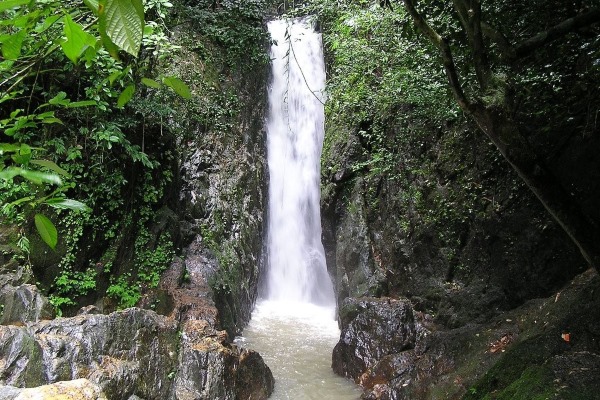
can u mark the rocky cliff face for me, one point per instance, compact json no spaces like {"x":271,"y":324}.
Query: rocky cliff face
{"x":444,"y":223}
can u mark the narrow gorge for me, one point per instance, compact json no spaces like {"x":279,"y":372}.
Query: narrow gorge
{"x":320,"y":199}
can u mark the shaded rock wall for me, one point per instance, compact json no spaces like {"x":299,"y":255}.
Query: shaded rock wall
{"x":545,"y":348}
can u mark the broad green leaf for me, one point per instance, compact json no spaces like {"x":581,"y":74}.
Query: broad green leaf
{"x":52,"y":120}
{"x":8,"y":4}
{"x":122,"y":21}
{"x":83,"y":103}
{"x":114,"y":76}
{"x":47,"y":114}
{"x":67,"y":204}
{"x":108,"y":44}
{"x":48,"y":22}
{"x":9,"y":148}
{"x":36,"y":177}
{"x":178,"y":86}
{"x":125,"y":96}
{"x":47,"y":230}
{"x":51,"y":166}
{"x":59,"y":99}
{"x":22,"y":155}
{"x":78,"y":40}
{"x":151,"y":83}
{"x":12,"y":44}
{"x":92,"y":5}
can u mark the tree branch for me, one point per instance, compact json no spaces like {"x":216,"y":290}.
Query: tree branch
{"x":506,"y":48}
{"x":557,"y":31}
{"x":447,"y":58}
{"x":469,"y":13}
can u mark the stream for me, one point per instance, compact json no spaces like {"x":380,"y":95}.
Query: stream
{"x":296,"y":341}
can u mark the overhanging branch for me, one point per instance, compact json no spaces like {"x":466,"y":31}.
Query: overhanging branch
{"x":444,"y":48}
{"x":569,"y":25}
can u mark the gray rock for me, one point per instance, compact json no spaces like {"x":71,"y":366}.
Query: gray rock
{"x":125,"y":352}
{"x":133,"y":352}
{"x":23,"y":304}
{"x":211,"y":368}
{"x":372,"y":328}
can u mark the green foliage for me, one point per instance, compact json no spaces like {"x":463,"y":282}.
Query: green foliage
{"x":74,"y":119}
{"x":235,"y":26}
{"x":124,"y":291}
{"x":70,"y":284}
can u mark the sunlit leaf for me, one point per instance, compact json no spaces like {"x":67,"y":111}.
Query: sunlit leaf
{"x":36,"y":177}
{"x":12,"y":44}
{"x":51,"y":166}
{"x":178,"y":86}
{"x":67,"y":204}
{"x":47,"y":230}
{"x":8,"y":4}
{"x":22,"y":155}
{"x":122,"y":21}
{"x":92,"y":4}
{"x":78,"y":40}
{"x":83,"y":103}
{"x":151,"y":83}
{"x":125,"y":96}
{"x":59,"y":99}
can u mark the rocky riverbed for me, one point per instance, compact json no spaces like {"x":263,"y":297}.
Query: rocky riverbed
{"x":130,"y":354}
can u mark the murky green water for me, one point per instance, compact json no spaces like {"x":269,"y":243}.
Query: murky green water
{"x":296,"y":340}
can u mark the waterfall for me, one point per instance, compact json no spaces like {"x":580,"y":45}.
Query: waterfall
{"x":293,"y":326}
{"x":296,"y":270}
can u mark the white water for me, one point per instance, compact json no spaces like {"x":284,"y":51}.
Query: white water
{"x":294,"y":326}
{"x":297,"y":270}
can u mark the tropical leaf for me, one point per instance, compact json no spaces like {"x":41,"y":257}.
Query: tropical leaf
{"x":83,"y":103}
{"x":151,"y":83}
{"x":47,"y":230}
{"x":78,"y":40}
{"x":51,"y":166}
{"x":22,"y":155}
{"x":36,"y":177}
{"x":92,"y":4}
{"x":12,"y":44}
{"x":8,"y":4}
{"x":67,"y":204}
{"x":125,"y":96}
{"x":122,"y":21}
{"x":178,"y":86}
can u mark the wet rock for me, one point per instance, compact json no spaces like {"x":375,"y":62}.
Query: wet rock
{"x":128,"y":352}
{"x":372,"y":328}
{"x":137,"y":352}
{"x":23,"y":304}
{"x":211,"y":368}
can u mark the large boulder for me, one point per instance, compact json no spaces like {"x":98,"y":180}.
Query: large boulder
{"x":372,"y":328}
{"x":127,"y":352}
{"x":23,"y":303}
{"x":212,"y":368}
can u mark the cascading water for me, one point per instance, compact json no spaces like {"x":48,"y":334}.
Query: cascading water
{"x":297,"y":270}
{"x":293,"y":326}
